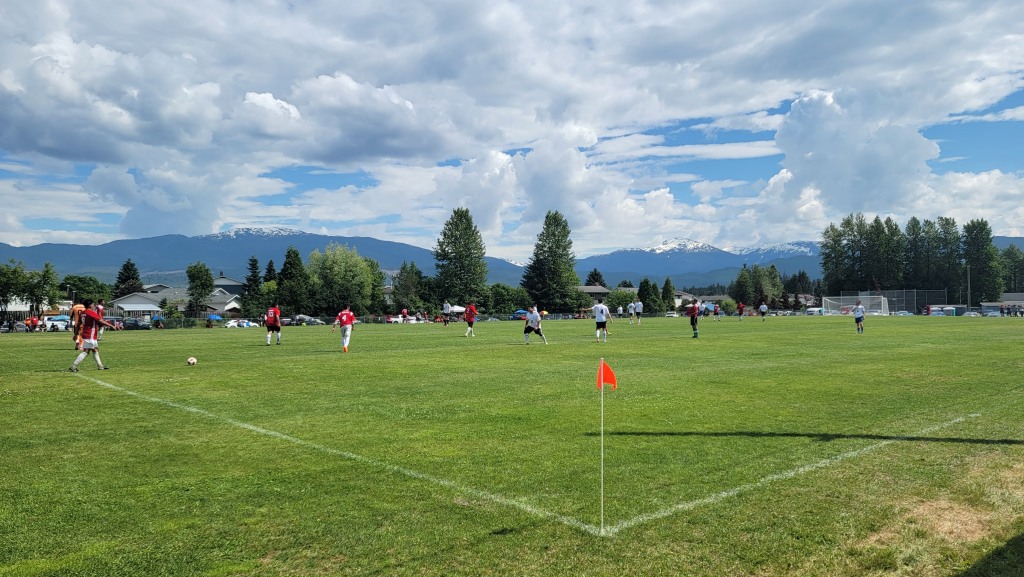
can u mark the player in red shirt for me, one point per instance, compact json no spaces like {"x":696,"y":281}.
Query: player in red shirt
{"x":89,"y":330}
{"x":693,"y":310}
{"x":345,"y":320}
{"x":470,"y":319}
{"x":273,"y":323}
{"x":739,"y":309}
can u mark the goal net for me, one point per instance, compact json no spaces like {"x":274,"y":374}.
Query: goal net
{"x":873,"y":305}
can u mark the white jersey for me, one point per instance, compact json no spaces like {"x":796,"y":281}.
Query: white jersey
{"x":601,"y":313}
{"x":763,"y":308}
{"x":631,"y":308}
{"x":639,"y":308}
{"x":858,"y":311}
{"x":447,"y":308}
{"x":533,"y":319}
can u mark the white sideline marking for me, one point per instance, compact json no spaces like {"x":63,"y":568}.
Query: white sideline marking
{"x":711,"y":499}
{"x":518,"y":504}
{"x":507,"y":501}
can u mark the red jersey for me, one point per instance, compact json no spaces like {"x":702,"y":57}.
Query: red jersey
{"x":90,"y":324}
{"x":740,"y":307}
{"x":471,"y":314}
{"x":346,"y":318}
{"x":274,"y":317}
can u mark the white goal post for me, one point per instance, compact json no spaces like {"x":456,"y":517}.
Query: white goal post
{"x":873,"y":305}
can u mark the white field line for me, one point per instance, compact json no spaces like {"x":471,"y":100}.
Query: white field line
{"x":507,"y":501}
{"x":518,"y":504}
{"x":712,"y":499}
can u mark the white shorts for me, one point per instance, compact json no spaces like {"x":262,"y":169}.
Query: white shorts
{"x":346,"y":331}
{"x":90,"y":344}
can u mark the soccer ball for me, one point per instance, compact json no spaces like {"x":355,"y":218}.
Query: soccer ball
{"x":191,"y":361}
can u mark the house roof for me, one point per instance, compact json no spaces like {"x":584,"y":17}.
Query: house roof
{"x":138,"y":307}
{"x":590,"y":289}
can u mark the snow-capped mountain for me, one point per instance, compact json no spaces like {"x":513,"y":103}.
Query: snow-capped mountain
{"x":773,"y":251}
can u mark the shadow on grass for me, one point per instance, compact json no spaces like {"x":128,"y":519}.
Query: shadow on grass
{"x":1006,"y":561}
{"x":822,"y":437}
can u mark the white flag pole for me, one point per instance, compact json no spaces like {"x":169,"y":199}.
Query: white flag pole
{"x":600,"y":378}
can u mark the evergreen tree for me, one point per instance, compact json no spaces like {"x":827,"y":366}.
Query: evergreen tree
{"x":625,"y":283}
{"x":742,"y":289}
{"x":377,"y":304}
{"x":983,"y":264}
{"x":594,"y":278}
{"x":293,"y":284}
{"x":668,"y":294}
{"x":252,"y":306}
{"x":200,"y":287}
{"x":550,"y":277}
{"x":1012,"y":265}
{"x":649,"y":294}
{"x":128,"y":280}
{"x":406,"y":293}
{"x":949,"y":257}
{"x":461,"y":272}
{"x":914,"y":255}
{"x":270,"y":274}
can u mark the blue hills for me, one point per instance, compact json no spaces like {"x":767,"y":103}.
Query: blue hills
{"x":164,"y":258}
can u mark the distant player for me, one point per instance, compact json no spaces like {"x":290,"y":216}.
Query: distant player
{"x":100,"y":307}
{"x":763,"y":309}
{"x":693,"y":310}
{"x":446,"y":312}
{"x":739,"y":309}
{"x":89,"y":329}
{"x":638,"y":308}
{"x":619,"y":312}
{"x":76,"y":324}
{"x":858,"y":316}
{"x":718,"y":312}
{"x":533,"y":320}
{"x":345,"y":320}
{"x":602,"y":316}
{"x":631,"y":309}
{"x":273,"y":320}
{"x":470,"y":318}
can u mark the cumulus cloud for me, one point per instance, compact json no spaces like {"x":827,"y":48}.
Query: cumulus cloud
{"x":642,"y":121}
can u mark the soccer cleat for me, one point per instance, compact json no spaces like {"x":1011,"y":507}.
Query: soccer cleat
{"x":104,"y":368}
{"x":73,"y":369}
{"x":345,"y":349}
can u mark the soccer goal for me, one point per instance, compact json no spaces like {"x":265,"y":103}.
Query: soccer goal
{"x":873,"y":305}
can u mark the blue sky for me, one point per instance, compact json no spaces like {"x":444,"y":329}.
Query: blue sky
{"x":736,"y":124}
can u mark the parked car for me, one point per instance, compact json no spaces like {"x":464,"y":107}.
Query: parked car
{"x":671,"y":314}
{"x":972,"y":314}
{"x":19,"y":327}
{"x":132,"y":323}
{"x":904,"y":314}
{"x":937,"y":314}
{"x":993,"y":314}
{"x":54,"y":325}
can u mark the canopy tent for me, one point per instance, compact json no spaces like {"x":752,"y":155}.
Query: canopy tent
{"x":520,"y":312}
{"x":214,"y":317}
{"x":457,"y":309}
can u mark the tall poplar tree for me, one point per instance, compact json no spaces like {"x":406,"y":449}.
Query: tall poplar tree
{"x":461,"y":272}
{"x":550,"y":277}
{"x":200,"y":286}
{"x":252,"y":305}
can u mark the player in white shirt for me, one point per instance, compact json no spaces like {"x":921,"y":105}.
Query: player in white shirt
{"x":858,"y":316}
{"x":533,"y":325}
{"x":602,"y":316}
{"x":763,"y":309}
{"x":639,"y":309}
{"x":631,"y":308}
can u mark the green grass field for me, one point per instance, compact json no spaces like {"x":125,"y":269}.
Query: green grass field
{"x":788,"y":447}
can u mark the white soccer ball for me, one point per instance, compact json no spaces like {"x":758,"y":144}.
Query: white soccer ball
{"x":191,"y":361}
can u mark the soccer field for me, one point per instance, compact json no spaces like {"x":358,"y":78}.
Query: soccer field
{"x":788,"y":447}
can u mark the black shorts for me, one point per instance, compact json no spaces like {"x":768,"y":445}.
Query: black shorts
{"x":858,"y":320}
{"x":530,"y":329}
{"x":470,"y":323}
{"x":601,"y":324}
{"x":693,"y":322}
{"x":273,"y":328}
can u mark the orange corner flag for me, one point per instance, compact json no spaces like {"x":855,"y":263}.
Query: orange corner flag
{"x":605,"y":375}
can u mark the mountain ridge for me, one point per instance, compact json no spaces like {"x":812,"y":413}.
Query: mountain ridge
{"x":165,"y":258}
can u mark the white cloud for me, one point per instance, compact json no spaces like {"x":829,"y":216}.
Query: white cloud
{"x":173,"y":115}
